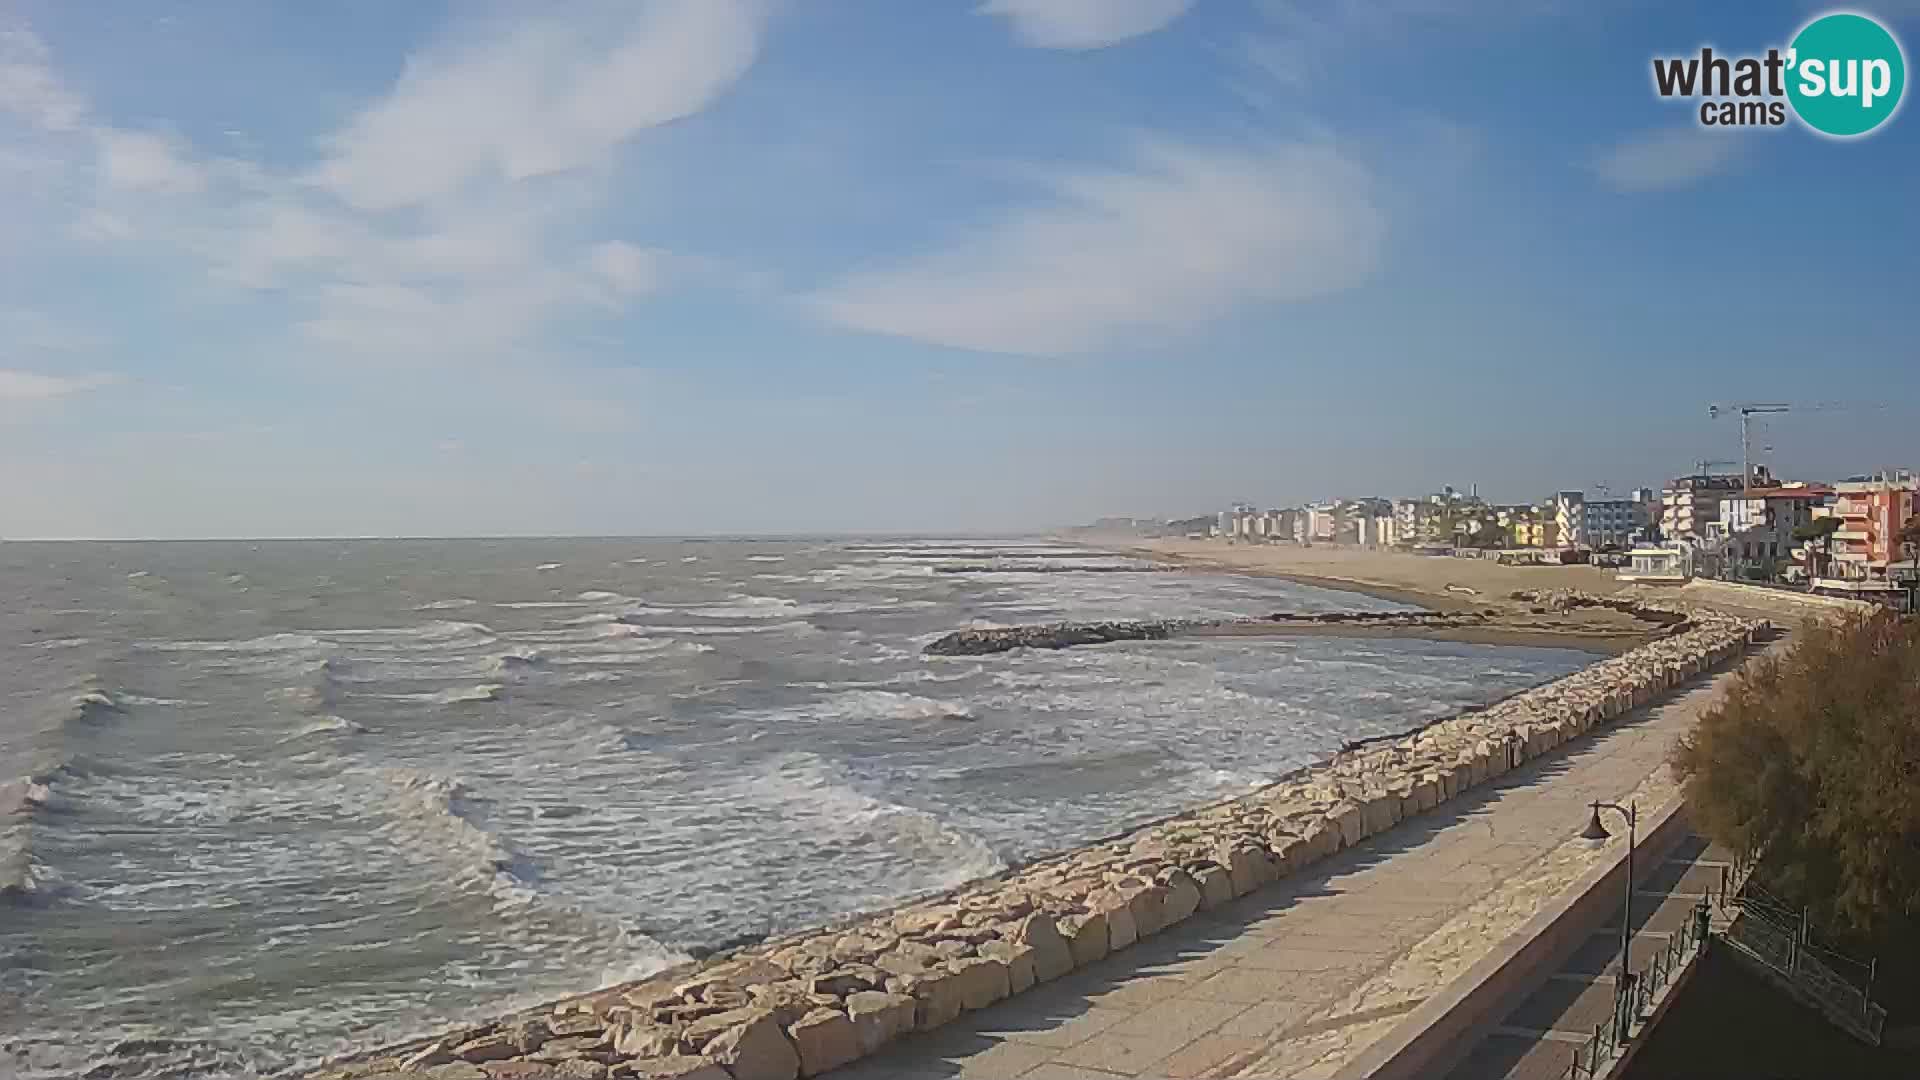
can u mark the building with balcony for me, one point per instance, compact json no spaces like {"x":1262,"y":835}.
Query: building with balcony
{"x":1755,"y":528}
{"x":1690,"y":503}
{"x":1867,"y":554}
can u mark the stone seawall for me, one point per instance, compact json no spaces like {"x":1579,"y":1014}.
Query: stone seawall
{"x":808,"y":1003}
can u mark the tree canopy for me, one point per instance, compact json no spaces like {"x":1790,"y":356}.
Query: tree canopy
{"x":1813,"y":759}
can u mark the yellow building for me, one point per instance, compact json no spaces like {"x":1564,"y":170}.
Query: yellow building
{"x":1535,"y":533}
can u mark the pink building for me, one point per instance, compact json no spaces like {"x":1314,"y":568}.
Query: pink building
{"x":1867,"y":555}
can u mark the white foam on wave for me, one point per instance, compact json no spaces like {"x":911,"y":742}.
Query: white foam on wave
{"x":882,"y":570}
{"x":799,"y":626}
{"x":326,"y":725}
{"x":744,"y":606}
{"x":143,"y":699}
{"x":446,"y":605}
{"x":61,"y":643}
{"x":822,"y":802}
{"x":535,"y":605}
{"x":439,"y":816}
{"x":454,"y":695}
{"x":766,"y":558}
{"x":867,"y":706}
{"x":437,"y":631}
{"x":546,"y":566}
{"x":268,"y":643}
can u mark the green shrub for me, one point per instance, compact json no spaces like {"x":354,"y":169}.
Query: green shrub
{"x":1813,"y":758}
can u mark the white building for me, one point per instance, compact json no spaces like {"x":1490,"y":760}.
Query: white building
{"x":1570,"y":518}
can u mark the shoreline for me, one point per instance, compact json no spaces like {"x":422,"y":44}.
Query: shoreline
{"x":789,"y":992}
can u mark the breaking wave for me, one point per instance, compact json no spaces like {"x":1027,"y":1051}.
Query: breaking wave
{"x":269,"y":643}
{"x":868,"y":706}
{"x":454,"y":695}
{"x":327,"y":725}
{"x":440,"y":816}
{"x":937,"y":855}
{"x":446,"y":605}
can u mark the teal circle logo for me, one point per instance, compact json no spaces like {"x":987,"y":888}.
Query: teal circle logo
{"x":1845,"y":74}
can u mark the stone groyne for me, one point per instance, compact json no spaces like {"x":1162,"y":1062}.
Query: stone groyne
{"x":811,"y":1002}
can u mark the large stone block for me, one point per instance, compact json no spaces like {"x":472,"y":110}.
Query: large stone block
{"x":937,"y":996}
{"x":1019,"y":961}
{"x":983,"y":981}
{"x":1249,"y":867}
{"x":1122,"y":931}
{"x":1086,"y":937}
{"x":1182,"y":895}
{"x":1381,"y":812}
{"x":824,"y":1039}
{"x":879,"y":1018}
{"x":1426,"y":793}
{"x":1350,"y":818}
{"x":1052,"y":954}
{"x":1216,"y":886}
{"x":677,"y":1067}
{"x":755,"y":1049}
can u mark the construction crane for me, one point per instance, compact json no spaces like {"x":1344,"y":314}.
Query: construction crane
{"x":1747,"y":411}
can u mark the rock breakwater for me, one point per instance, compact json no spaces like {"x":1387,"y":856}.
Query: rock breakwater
{"x":1064,"y":635}
{"x":808,"y":1003}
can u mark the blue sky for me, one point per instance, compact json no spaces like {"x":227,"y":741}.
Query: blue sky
{"x":673,"y":266}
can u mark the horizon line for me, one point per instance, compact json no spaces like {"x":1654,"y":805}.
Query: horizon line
{"x":779,"y":537}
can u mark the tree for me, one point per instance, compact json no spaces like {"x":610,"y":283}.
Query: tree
{"x":1818,"y":531}
{"x":1813,"y":760}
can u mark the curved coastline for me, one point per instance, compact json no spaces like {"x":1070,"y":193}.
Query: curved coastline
{"x":818,"y":998}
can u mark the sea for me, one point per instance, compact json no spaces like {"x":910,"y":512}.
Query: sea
{"x":262,"y":803}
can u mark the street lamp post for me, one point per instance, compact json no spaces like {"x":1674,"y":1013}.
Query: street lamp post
{"x":1596,"y":832}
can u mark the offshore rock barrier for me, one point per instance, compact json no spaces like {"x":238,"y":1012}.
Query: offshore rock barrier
{"x":1001,"y":639}
{"x":812,"y":1002}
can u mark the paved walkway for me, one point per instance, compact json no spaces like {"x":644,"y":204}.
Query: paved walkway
{"x":1294,"y":980}
{"x":1537,"y":1041}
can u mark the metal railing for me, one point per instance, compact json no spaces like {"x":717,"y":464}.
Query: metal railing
{"x":1776,"y":934}
{"x":1635,"y":994}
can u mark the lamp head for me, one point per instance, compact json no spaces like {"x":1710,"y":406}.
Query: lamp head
{"x":1595,"y":832}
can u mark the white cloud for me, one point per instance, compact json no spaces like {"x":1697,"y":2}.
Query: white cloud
{"x":1667,"y":158}
{"x":30,"y":89}
{"x":142,"y":161}
{"x":543,"y":96}
{"x":453,"y":215}
{"x":1185,"y":235}
{"x":31,"y":386}
{"x":1084,"y":24}
{"x":628,"y":269}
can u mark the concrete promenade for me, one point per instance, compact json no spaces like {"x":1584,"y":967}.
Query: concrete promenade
{"x":1539,"y":1038}
{"x":1296,"y":979}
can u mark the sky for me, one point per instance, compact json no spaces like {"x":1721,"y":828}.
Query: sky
{"x":809,"y":266}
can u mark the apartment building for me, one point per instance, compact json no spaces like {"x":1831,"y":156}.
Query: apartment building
{"x":1867,"y":554}
{"x":1690,"y":503}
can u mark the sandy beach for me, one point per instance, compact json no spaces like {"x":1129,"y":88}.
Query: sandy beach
{"x":1436,"y":583}
{"x":1428,"y":580}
